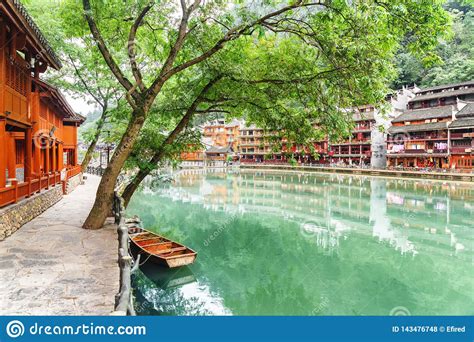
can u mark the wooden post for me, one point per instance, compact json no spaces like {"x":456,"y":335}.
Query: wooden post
{"x":76,"y":162}
{"x":3,"y":153}
{"x":11,"y":156}
{"x":15,"y":186}
{"x":60,"y":157}
{"x":54,"y":157}
{"x":47,"y":163}
{"x":28,"y":155}
{"x":47,"y":156}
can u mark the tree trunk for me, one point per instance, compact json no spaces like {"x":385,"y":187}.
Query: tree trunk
{"x":91,"y":148}
{"x":105,"y":192}
{"x":133,"y":185}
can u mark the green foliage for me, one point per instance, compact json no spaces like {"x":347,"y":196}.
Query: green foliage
{"x":456,"y":55}
{"x":291,"y":73}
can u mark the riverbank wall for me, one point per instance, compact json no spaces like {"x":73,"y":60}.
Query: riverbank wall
{"x":449,"y":176}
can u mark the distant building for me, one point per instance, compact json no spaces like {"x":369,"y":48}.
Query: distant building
{"x":357,"y":149}
{"x":222,"y":134}
{"x":220,"y":140}
{"x":462,"y":138}
{"x":422,"y":135}
{"x":431,"y":127}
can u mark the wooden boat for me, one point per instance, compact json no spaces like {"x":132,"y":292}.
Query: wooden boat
{"x":158,"y":249}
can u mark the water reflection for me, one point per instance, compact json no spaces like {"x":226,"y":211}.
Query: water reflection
{"x":272,"y":243}
{"x":330,"y":206}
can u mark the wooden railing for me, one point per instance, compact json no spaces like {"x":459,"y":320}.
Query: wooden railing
{"x":74,"y":171}
{"x":95,"y":170}
{"x":18,"y":191}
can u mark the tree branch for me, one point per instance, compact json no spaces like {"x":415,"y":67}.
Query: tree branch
{"x":84,"y":83}
{"x":106,"y":53}
{"x":131,"y":46}
{"x":232,"y":34}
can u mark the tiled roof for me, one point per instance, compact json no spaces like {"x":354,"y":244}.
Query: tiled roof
{"x":466,"y":111}
{"x":446,"y":86}
{"x":216,"y":149}
{"x":362,"y":116}
{"x":454,"y":93}
{"x":461,"y":123}
{"x":251,"y":127}
{"x":32,"y":25}
{"x":70,"y":114}
{"x":432,"y":126}
{"x":425,"y":113}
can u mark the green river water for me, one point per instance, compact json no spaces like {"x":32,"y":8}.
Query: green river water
{"x":289,"y":244}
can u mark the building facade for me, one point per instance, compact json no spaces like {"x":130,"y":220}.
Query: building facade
{"x":434,"y":131}
{"x":38,"y":128}
{"x":357,"y":149}
{"x":429,"y":128}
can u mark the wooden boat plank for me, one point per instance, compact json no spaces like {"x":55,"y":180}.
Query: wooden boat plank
{"x":157,"y":244}
{"x":165,"y":251}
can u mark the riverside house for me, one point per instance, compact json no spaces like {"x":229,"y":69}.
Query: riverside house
{"x":38,"y":128}
{"x":435,"y":130}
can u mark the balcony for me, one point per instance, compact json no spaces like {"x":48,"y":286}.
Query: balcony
{"x":462,"y":149}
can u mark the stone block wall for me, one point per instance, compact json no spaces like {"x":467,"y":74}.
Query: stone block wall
{"x":72,"y":183}
{"x":16,"y":215}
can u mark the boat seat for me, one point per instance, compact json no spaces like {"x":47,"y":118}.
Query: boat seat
{"x":156,"y":243}
{"x":167,"y":251}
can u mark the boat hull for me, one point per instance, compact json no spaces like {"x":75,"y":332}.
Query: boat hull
{"x":185,"y":257}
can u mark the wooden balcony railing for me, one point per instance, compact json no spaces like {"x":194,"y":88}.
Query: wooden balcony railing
{"x":461,"y":149}
{"x":74,"y":171}
{"x":18,"y":191}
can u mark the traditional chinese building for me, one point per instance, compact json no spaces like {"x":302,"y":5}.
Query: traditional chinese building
{"x":38,"y":128}
{"x":462,"y":138}
{"x":357,"y":149}
{"x":421,"y":136}
{"x":221,"y":134}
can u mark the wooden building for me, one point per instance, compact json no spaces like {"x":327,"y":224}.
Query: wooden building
{"x":221,"y":134}
{"x":38,"y":129}
{"x":462,"y":138}
{"x":433,"y":132}
{"x":356,"y":150}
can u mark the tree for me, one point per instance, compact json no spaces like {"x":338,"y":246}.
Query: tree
{"x":456,"y":63}
{"x":84,"y":73}
{"x":174,"y":40}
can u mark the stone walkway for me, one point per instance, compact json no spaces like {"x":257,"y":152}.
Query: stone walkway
{"x":51,"y":266}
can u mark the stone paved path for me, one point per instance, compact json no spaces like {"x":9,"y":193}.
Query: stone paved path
{"x":52,"y":266}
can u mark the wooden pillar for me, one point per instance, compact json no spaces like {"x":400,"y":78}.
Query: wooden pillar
{"x":60,"y":157}
{"x":76,"y":156}
{"x":35,"y":131}
{"x":54,"y":156}
{"x":3,"y":152}
{"x":47,"y":157}
{"x":11,"y":156}
{"x":28,"y":154}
